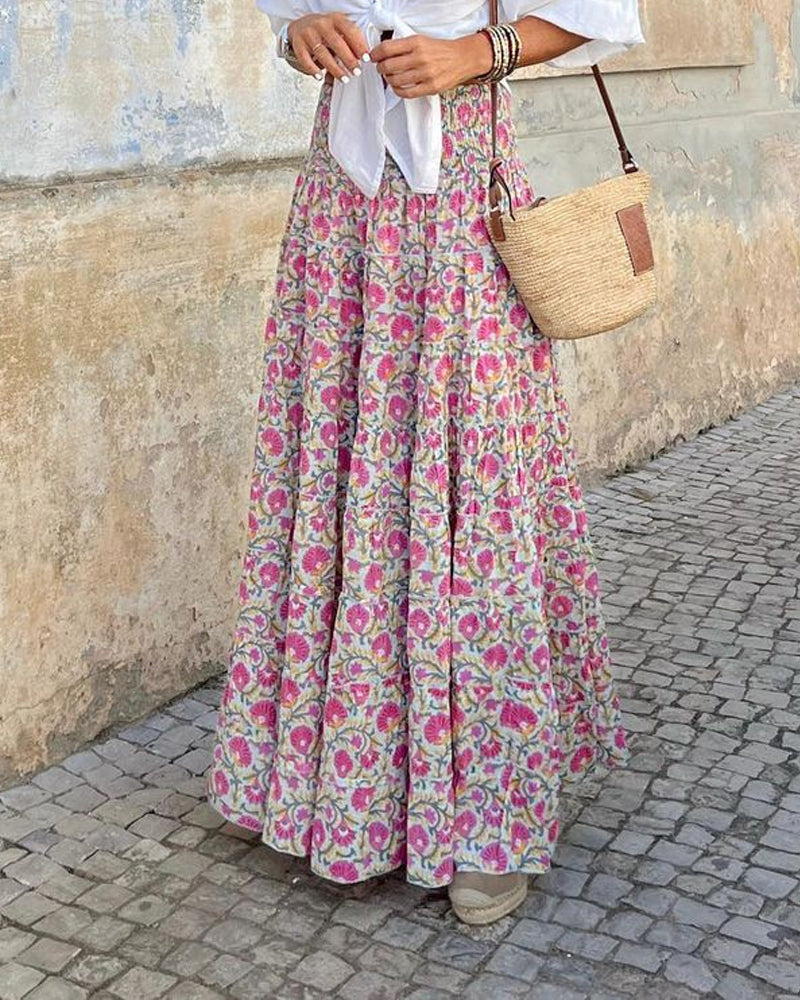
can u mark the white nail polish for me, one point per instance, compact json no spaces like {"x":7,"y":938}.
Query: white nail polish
{"x":366,"y":57}
{"x":319,"y":76}
{"x":357,"y":71}
{"x":345,"y":79}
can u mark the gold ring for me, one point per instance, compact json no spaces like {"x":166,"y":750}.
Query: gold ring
{"x":319,"y":45}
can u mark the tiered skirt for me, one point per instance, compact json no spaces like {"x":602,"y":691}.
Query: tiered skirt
{"x":420,"y":660}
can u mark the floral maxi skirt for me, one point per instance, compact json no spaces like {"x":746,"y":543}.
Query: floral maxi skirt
{"x":420,"y":660}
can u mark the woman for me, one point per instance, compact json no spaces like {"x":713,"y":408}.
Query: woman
{"x":420,"y":660}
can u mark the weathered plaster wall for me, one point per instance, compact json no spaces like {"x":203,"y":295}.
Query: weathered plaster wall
{"x":131,"y":330}
{"x":120,"y":85}
{"x":144,"y":182}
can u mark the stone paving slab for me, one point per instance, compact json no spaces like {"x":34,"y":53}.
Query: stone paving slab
{"x":676,"y":878}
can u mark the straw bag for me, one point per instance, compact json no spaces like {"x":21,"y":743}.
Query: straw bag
{"x":582,"y":262}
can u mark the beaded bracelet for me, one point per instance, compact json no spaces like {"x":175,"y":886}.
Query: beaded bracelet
{"x":506,"y":51}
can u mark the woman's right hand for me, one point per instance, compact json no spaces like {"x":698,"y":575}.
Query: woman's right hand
{"x":329,"y":42}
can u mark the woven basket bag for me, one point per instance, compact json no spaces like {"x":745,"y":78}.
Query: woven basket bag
{"x":583,"y":262}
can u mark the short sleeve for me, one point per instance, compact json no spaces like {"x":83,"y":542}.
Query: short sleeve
{"x":613,"y":26}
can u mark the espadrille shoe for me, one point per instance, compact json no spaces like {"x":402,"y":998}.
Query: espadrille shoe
{"x":479,"y":898}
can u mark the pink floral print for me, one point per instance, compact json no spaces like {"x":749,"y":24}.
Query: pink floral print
{"x":420,"y":660}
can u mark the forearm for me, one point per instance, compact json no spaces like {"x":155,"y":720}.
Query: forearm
{"x":541,"y":42}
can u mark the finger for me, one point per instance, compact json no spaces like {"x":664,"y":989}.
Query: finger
{"x":302,"y":45}
{"x":338,"y":45}
{"x":295,"y":63}
{"x":392,"y":47}
{"x":397,"y":64}
{"x":354,"y":37}
{"x":415,"y":90}
{"x":405,"y":81}
{"x":322,"y":54}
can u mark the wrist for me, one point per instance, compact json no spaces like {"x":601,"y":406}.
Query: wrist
{"x":477,"y":55}
{"x":283,"y":43}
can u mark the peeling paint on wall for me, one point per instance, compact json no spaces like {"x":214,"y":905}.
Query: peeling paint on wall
{"x":184,"y":133}
{"x":88,"y":73}
{"x":64,"y":27}
{"x":136,"y":7}
{"x":9,"y":41}
{"x":187,"y":17}
{"x":782,"y":18}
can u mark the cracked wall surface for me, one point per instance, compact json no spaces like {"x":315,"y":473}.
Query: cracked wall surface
{"x":147,"y":162}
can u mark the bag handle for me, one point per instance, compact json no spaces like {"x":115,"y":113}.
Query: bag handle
{"x":629,"y":164}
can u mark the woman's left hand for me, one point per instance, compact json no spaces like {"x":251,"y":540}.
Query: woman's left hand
{"x":419,"y":66}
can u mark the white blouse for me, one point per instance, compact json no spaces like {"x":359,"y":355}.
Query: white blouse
{"x":367,"y":119}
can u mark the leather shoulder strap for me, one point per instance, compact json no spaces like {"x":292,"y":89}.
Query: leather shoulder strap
{"x":494,"y":18}
{"x":629,"y":165}
{"x":628,"y":162}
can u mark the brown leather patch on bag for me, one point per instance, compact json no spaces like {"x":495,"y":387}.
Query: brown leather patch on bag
{"x":633,"y":224}
{"x":497,"y":228}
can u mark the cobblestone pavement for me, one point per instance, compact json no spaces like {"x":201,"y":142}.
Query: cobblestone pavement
{"x":675,"y":878}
